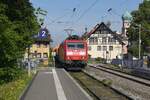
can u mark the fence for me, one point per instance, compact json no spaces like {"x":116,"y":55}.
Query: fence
{"x":128,"y":63}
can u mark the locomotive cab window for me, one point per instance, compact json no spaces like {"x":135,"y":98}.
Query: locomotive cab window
{"x":80,"y":45}
{"x":71,"y":45}
{"x":75,"y":45}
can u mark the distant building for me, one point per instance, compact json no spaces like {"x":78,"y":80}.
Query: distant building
{"x":103,"y":42}
{"x":40,"y":49}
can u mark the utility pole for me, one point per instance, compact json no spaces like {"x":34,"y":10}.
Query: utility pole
{"x":139,"y":41}
{"x":122,"y":56}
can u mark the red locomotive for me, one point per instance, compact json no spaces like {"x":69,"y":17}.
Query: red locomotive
{"x":72,"y":53}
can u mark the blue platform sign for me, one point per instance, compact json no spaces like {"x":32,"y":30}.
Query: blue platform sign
{"x":43,"y":33}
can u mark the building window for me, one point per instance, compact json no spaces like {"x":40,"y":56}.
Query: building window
{"x":38,"y":55}
{"x":110,"y":48}
{"x":114,"y":40}
{"x":109,"y":40}
{"x":89,"y":48}
{"x":45,"y":55}
{"x":98,"y":48}
{"x":104,"y":48}
{"x":93,"y":40}
{"x":104,"y":39}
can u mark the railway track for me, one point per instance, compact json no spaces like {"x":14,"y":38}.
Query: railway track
{"x":97,"y":89}
{"x":123,"y":75}
{"x":137,"y":72}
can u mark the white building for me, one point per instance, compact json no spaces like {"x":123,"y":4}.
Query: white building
{"x":104,"y":43}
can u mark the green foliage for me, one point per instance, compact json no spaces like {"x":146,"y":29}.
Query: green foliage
{"x":9,"y":74}
{"x":134,"y":50}
{"x":12,"y":90}
{"x":140,"y":16}
{"x":17,"y":26}
{"x":100,"y":60}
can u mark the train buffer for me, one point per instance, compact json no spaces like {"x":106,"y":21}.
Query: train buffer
{"x":54,"y":84}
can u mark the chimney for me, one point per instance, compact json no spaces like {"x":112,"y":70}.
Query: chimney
{"x":108,"y":24}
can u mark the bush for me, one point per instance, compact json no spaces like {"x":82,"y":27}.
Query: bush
{"x":12,"y":90}
{"x":9,"y":74}
{"x":99,"y":59}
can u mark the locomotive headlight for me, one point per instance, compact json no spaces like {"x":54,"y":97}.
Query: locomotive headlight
{"x":83,"y":57}
{"x":68,"y":57}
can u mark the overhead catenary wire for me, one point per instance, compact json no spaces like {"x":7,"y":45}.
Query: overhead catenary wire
{"x":87,"y":10}
{"x":113,"y":11}
{"x":57,"y":19}
{"x":82,"y":14}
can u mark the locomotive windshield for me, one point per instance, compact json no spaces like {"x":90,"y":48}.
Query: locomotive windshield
{"x":75,"y":45}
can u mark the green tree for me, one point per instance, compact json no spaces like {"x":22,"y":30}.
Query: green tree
{"x":140,"y":16}
{"x":17,"y":26}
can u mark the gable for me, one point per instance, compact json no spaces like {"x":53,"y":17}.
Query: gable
{"x":101,"y":30}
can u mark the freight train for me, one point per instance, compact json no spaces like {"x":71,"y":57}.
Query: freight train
{"x":72,"y":53}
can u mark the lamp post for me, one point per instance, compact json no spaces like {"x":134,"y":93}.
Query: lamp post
{"x":122,"y":56}
{"x":139,"y":41}
{"x":139,"y":44}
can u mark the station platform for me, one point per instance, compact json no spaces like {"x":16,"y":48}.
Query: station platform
{"x":54,"y":84}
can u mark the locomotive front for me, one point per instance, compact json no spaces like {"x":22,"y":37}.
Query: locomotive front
{"x":72,"y":53}
{"x":76,"y":50}
{"x":75,"y":53}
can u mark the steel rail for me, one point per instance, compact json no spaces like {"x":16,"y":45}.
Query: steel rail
{"x":92,"y":93}
{"x":120,"y":74}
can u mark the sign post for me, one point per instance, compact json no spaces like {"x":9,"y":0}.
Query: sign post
{"x":29,"y":67}
{"x":54,"y":54}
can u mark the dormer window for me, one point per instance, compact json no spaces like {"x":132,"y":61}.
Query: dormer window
{"x":104,"y":39}
{"x":93,"y":41}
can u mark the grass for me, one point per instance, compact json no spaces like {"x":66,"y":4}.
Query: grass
{"x":12,"y":90}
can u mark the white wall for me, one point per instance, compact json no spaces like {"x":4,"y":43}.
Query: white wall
{"x":117,"y":49}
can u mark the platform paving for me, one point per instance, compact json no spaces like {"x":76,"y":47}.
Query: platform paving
{"x":42,"y":88}
{"x":72,"y":90}
{"x":54,"y":84}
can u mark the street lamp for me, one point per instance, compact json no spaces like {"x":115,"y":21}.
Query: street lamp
{"x":139,"y":41}
{"x":139,"y":44}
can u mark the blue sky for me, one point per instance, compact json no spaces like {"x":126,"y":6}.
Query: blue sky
{"x":87,"y":13}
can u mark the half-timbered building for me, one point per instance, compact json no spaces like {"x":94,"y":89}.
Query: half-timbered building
{"x":103,"y":42}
